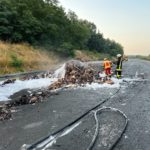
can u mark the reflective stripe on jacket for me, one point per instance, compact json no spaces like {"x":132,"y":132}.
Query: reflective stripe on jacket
{"x":107,"y":64}
{"x":119,"y":64}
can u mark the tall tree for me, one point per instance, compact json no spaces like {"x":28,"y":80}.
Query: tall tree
{"x":45,"y":23}
{"x":96,"y":42}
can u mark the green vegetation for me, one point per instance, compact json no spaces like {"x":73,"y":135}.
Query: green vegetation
{"x":143,"y":57}
{"x":86,"y":55}
{"x":44,"y":23}
{"x":16,"y":62}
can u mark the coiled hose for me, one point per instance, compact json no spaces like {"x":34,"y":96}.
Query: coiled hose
{"x":97,"y":126}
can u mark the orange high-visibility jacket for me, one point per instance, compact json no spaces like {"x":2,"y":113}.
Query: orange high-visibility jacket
{"x":107,"y":64}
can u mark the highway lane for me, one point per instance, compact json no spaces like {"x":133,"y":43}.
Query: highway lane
{"x":32,"y":122}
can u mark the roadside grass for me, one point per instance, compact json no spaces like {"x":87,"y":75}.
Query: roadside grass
{"x":85,"y":55}
{"x":143,"y":57}
{"x":23,"y":57}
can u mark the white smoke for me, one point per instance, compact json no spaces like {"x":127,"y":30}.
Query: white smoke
{"x":60,"y":73}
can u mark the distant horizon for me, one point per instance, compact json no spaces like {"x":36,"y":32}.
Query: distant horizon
{"x":126,"y":22}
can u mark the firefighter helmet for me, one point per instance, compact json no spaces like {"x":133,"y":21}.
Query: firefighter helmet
{"x":119,"y":55}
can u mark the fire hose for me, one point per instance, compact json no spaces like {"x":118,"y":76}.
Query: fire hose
{"x":97,"y":126}
{"x":94,"y":109}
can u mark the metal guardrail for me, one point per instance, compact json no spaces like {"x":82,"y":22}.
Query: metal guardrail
{"x":7,"y":76}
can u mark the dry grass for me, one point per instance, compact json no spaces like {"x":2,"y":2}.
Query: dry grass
{"x":31,"y":58}
{"x":85,"y":55}
{"x":89,"y":56}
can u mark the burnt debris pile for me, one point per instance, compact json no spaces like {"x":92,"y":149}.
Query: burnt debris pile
{"x":77,"y":73}
{"x":30,"y":97}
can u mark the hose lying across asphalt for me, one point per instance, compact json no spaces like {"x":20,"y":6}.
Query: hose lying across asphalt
{"x":34,"y":146}
{"x":97,"y":126}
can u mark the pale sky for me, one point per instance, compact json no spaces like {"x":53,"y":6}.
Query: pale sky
{"x":125,"y":21}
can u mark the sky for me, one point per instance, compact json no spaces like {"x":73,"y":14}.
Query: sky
{"x":125,"y":21}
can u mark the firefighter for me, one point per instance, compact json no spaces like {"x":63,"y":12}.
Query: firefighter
{"x":119,"y":66}
{"x":107,"y":64}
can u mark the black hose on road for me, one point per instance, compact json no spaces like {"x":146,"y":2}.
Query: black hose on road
{"x":97,"y":126}
{"x":33,"y":146}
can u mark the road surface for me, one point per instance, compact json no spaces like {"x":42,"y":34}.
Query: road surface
{"x":33,"y":122}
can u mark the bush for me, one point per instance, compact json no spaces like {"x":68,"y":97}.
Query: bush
{"x":15,"y":62}
{"x":66,"y":49}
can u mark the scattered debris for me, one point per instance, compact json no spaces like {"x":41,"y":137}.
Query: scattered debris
{"x":5,"y":112}
{"x":30,"y":97}
{"x":73,"y":73}
{"x":56,"y":85}
{"x":22,"y":98}
{"x":29,"y":77}
{"x":8,"y":81}
{"x":37,"y":76}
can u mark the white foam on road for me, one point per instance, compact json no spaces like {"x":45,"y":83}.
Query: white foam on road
{"x":9,"y":89}
{"x":96,"y":86}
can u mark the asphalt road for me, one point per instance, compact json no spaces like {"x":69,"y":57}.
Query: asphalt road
{"x":33,"y":122}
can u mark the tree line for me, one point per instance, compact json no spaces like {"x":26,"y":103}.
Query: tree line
{"x":45,"y":23}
